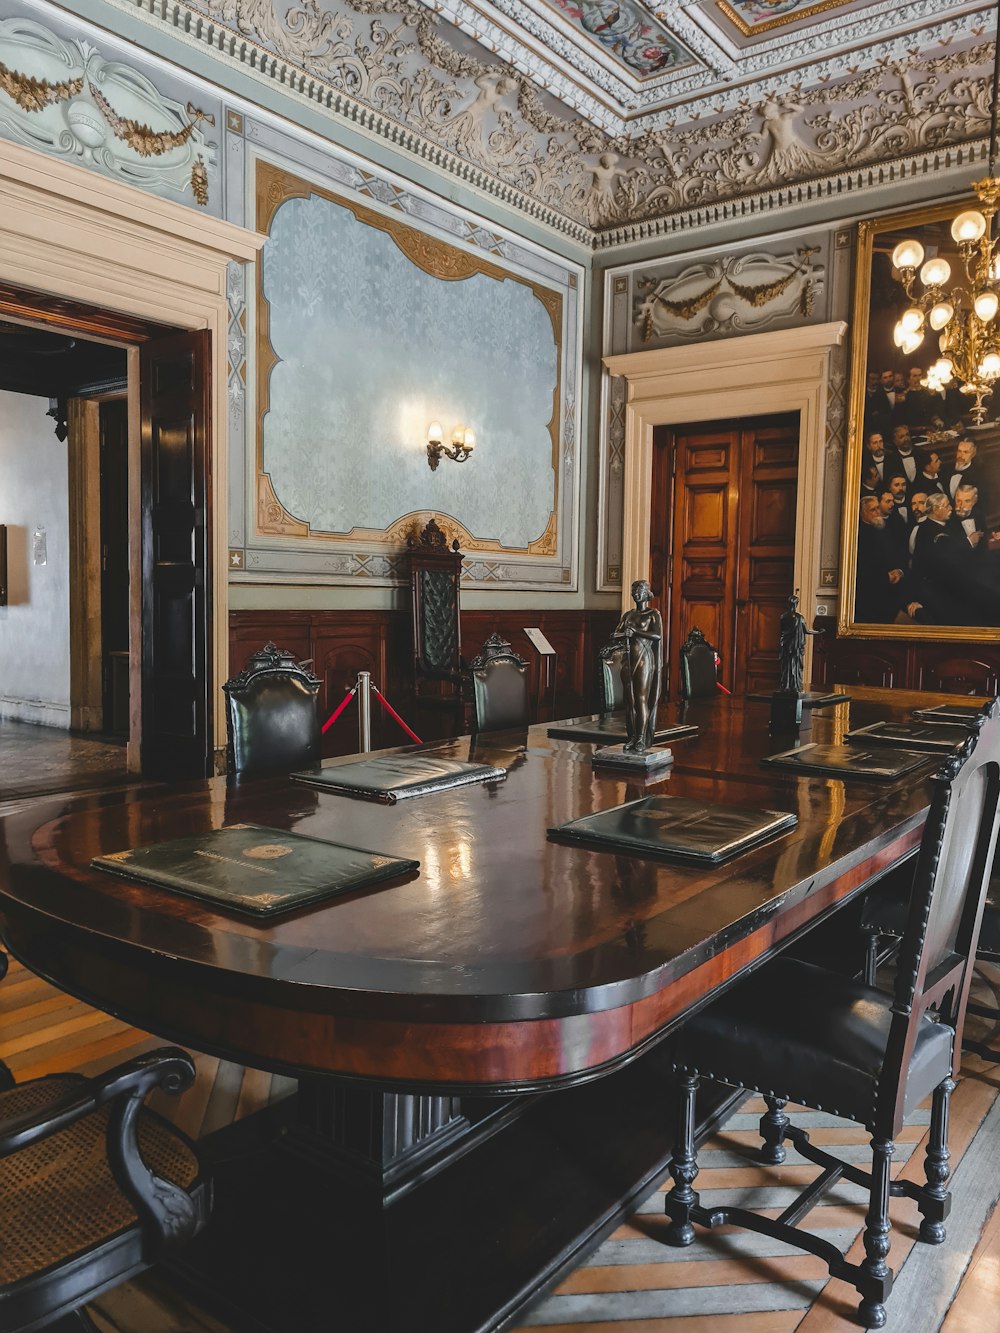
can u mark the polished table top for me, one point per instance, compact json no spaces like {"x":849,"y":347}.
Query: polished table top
{"x":510,"y":962}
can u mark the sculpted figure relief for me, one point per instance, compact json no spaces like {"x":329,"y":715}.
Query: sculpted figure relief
{"x":642,"y":668}
{"x":792,"y":647}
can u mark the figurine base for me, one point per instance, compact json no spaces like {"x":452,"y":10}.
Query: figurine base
{"x":810,"y":698}
{"x":786,"y":713}
{"x":616,"y":756}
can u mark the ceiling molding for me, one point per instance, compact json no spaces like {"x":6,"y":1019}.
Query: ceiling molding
{"x":399,"y":71}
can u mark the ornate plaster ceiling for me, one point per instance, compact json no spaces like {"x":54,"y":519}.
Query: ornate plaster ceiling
{"x":602,"y":117}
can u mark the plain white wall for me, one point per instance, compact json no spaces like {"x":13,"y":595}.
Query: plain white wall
{"x":34,"y":625}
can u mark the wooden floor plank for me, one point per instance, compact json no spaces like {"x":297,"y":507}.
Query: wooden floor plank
{"x":833,"y":1311}
{"x":977,"y":1305}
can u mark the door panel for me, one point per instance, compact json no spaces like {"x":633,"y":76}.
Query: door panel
{"x":730,"y":511}
{"x":766,"y":547}
{"x":176,"y":668}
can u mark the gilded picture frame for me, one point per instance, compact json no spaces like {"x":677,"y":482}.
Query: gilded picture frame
{"x":918,"y":600}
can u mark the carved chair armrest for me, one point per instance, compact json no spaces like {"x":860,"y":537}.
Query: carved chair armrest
{"x":165,"y":1210}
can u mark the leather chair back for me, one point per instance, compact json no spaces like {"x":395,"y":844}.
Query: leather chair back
{"x":271,"y":715}
{"x":952,"y":873}
{"x":612,"y":698}
{"x":699,"y":673}
{"x":499,"y":687}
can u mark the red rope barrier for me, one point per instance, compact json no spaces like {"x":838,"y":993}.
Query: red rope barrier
{"x":343,"y":704}
{"x":392,"y":713}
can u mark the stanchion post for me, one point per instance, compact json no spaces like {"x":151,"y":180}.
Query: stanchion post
{"x":364,"y":712}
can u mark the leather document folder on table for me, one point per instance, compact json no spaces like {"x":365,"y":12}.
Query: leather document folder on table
{"x":394,"y":777}
{"x":253,"y":869}
{"x":610,"y":729}
{"x":939,"y":738}
{"x":849,"y":761}
{"x":676,"y":827}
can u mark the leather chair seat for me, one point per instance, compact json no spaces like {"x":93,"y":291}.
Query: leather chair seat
{"x":803,"y":1034}
{"x":60,"y":1199}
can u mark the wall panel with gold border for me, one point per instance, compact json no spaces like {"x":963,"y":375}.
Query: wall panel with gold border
{"x":463,"y":322}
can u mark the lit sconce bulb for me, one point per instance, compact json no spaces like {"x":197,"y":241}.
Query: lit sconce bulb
{"x":943,"y":370}
{"x":940,"y":315}
{"x":935,"y":273}
{"x":968,"y":226}
{"x":435,"y":433}
{"x":458,"y":435}
{"x":469,"y":439}
{"x":910,"y":343}
{"x":989,"y":367}
{"x":898,"y":334}
{"x":986,"y":304}
{"x":911,"y":319}
{"x":908,"y":254}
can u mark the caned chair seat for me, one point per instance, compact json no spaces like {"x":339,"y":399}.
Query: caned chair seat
{"x":811,"y":1036}
{"x":93,"y":1187}
{"x":59,"y":1198}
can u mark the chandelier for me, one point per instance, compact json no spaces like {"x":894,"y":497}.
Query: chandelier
{"x":964,"y":315}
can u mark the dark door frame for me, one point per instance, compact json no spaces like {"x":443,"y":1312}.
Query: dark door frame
{"x":132,"y":332}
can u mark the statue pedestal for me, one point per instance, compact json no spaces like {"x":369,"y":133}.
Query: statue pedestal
{"x":616,"y":756}
{"x":787,"y":715}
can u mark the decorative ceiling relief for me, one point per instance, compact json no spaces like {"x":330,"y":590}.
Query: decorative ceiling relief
{"x":730,"y":295}
{"x":823,"y":110}
{"x":66,"y":97}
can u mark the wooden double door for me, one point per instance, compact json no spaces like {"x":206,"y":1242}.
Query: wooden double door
{"x":723,"y":540}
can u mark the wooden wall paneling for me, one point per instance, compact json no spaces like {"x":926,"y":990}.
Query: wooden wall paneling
{"x":906,"y":664}
{"x":954,"y":671}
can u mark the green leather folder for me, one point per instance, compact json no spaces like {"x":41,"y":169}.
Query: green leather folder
{"x":253,"y":869}
{"x":392,"y":777}
{"x":677,"y":827}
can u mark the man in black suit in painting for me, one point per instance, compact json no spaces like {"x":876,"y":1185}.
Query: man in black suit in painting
{"x":966,"y":472}
{"x":930,"y":479}
{"x":894,"y":510}
{"x":879,"y":581}
{"x":966,"y":521}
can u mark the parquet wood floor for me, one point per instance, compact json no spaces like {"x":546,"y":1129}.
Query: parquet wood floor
{"x":727,"y":1282}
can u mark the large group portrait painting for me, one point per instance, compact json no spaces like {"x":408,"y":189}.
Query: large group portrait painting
{"x":922,"y":482}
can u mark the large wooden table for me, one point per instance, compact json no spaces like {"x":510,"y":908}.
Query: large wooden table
{"x":510,"y":965}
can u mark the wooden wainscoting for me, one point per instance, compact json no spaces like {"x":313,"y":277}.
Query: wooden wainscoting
{"x":905,"y":664}
{"x":342,"y":643}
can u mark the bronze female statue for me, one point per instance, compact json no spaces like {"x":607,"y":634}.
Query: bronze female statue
{"x":642,"y":668}
{"x":792,"y":647}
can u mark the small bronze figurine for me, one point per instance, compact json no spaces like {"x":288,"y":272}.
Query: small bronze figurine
{"x":792,"y":647}
{"x":642,"y":668}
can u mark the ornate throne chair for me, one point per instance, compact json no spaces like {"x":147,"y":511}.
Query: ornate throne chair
{"x":439,"y":673}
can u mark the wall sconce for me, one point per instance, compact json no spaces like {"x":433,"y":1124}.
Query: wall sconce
{"x":463,"y":441}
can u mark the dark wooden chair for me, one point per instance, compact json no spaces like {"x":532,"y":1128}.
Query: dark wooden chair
{"x":612,"y":687}
{"x":699,"y":667}
{"x":272,"y":718}
{"x":94,"y":1187}
{"x":439,"y":671}
{"x":883,"y":921}
{"x":499,"y":687}
{"x":796,"y":1032}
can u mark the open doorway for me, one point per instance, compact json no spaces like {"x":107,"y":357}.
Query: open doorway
{"x":52,"y":736}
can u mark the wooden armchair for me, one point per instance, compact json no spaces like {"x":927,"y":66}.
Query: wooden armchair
{"x":95,"y":1188}
{"x":439,"y":672}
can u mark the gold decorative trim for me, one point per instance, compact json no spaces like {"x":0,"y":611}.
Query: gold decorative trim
{"x":199,"y":182}
{"x":143,"y":139}
{"x":32,"y":94}
{"x":440,"y":259}
{"x":752,"y":29}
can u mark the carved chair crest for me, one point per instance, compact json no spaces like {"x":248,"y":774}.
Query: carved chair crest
{"x":267,"y":659}
{"x":495,"y":649}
